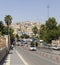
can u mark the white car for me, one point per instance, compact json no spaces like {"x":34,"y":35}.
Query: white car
{"x":56,"y":48}
{"x":32,"y":48}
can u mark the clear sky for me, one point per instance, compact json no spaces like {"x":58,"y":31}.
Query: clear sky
{"x":30,"y":10}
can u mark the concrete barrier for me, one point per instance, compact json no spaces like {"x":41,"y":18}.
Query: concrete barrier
{"x":54,"y":57}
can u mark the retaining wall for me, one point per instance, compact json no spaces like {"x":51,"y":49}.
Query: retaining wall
{"x":3,"y":47}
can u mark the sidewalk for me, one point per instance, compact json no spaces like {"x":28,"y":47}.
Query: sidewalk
{"x":13,"y":59}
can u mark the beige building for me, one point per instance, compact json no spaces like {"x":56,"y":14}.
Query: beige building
{"x":2,"y":42}
{"x":25,"y":27}
{"x":56,"y":42}
{"x":15,"y":27}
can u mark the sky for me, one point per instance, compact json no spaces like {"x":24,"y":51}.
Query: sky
{"x":30,"y":10}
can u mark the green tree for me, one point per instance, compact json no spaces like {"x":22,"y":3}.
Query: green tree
{"x":17,"y":36}
{"x":51,"y":30}
{"x":58,"y":29}
{"x":11,"y":31}
{"x":12,"y":38}
{"x":5,"y":32}
{"x":0,"y":33}
{"x":35,"y":30}
{"x":8,"y":20}
{"x":1,"y":27}
{"x":24,"y":36}
{"x":42,"y":32}
{"x":32,"y":44}
{"x":59,"y":26}
{"x":51,"y":24}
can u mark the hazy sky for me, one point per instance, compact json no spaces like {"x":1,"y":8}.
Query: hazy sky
{"x":30,"y":10}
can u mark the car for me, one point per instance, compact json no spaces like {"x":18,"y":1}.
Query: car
{"x":18,"y":43}
{"x":55,"y":47}
{"x":21,"y":44}
{"x":32,"y":48}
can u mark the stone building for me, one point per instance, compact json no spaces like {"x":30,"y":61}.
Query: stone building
{"x":24,"y":27}
{"x":56,"y":42}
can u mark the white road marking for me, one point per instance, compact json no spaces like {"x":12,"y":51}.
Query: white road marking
{"x":21,"y":57}
{"x":8,"y":60}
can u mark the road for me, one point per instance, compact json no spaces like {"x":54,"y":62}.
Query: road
{"x":32,"y":58}
{"x":21,"y":55}
{"x":47,"y":50}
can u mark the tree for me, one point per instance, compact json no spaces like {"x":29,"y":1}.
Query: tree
{"x":51,"y":24}
{"x":58,"y":29}
{"x":17,"y":36}
{"x":1,"y":27}
{"x":8,"y":20}
{"x":49,"y":31}
{"x":59,"y":26}
{"x":35,"y":30}
{"x":32,"y":44}
{"x":12,"y":38}
{"x":24,"y":36}
{"x":5,"y":32}
{"x":11,"y":31}
{"x":42,"y":32}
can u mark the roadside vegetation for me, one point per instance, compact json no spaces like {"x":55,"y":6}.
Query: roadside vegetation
{"x":5,"y":29}
{"x":48,"y":31}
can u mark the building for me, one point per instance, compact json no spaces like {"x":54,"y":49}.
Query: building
{"x":56,"y":42}
{"x":24,"y":27}
{"x":15,"y":27}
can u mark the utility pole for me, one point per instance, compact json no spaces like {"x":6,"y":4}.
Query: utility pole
{"x":48,"y":10}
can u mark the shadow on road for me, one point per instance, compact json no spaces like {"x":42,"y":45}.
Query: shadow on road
{"x":4,"y":60}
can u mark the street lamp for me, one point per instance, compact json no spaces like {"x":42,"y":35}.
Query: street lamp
{"x":48,"y":10}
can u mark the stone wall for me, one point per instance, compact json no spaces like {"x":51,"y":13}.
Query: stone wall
{"x":3,"y":46}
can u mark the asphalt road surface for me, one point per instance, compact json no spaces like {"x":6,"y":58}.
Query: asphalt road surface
{"x":33,"y":58}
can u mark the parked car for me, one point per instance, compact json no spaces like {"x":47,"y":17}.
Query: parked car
{"x":55,"y":47}
{"x":18,"y":43}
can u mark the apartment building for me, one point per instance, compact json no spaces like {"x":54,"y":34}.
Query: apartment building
{"x":25,"y":27}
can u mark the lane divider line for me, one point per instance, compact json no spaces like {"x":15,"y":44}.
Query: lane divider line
{"x":21,"y":57}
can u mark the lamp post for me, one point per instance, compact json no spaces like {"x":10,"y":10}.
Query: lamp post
{"x":48,"y":10}
{"x":8,"y":37}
